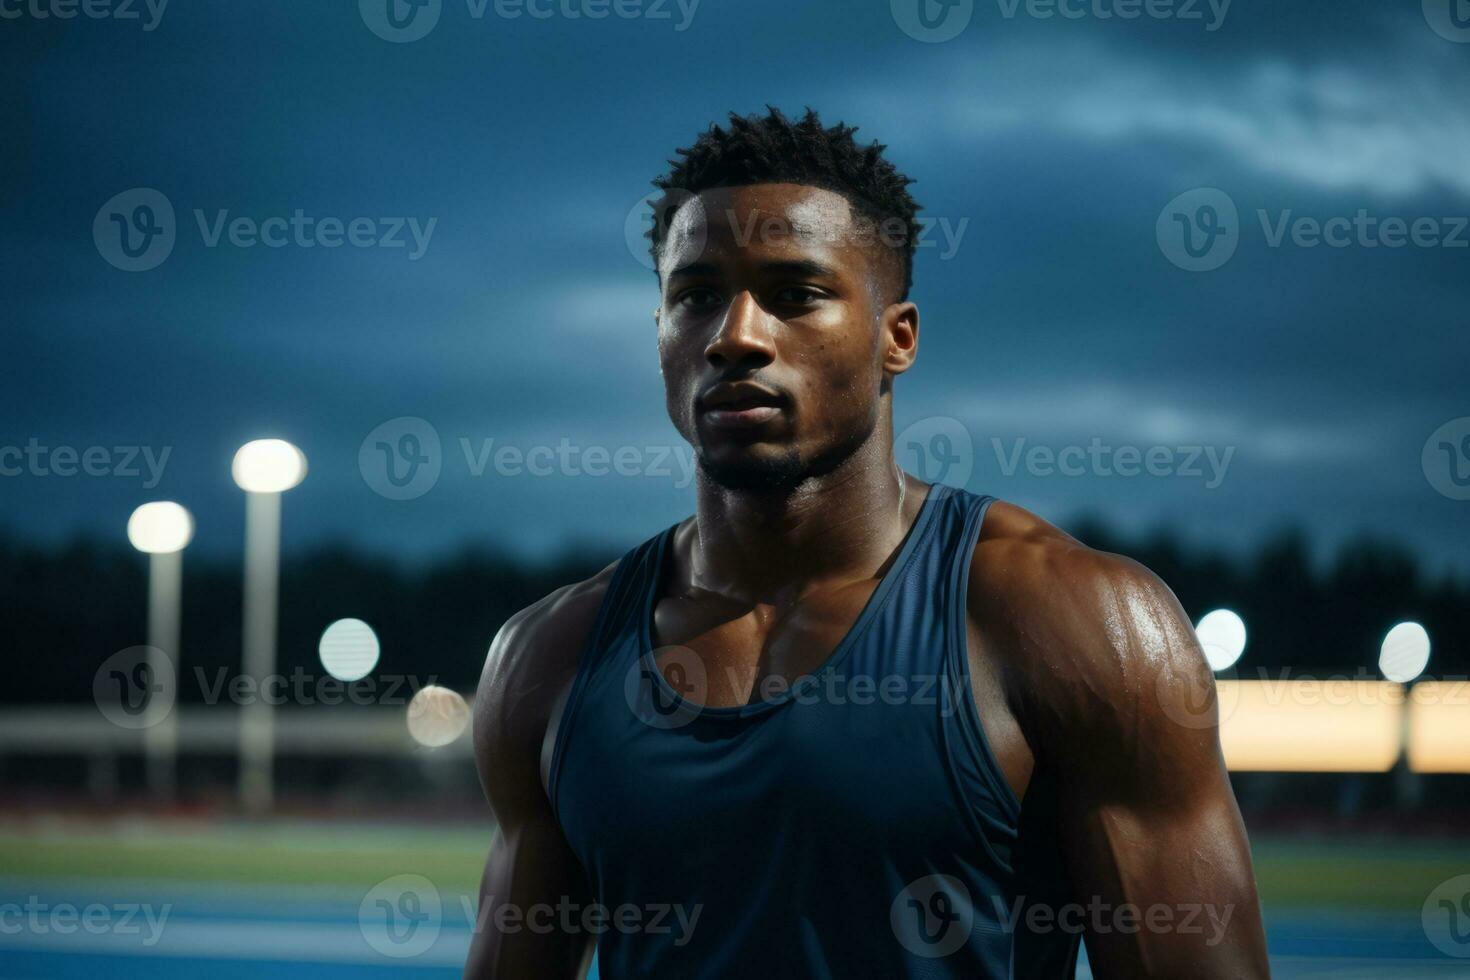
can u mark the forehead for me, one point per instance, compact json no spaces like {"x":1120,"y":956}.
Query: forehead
{"x":769,"y":221}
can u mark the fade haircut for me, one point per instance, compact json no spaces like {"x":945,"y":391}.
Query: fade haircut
{"x":773,"y":149}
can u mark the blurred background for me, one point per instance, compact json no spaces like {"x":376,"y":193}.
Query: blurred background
{"x":362,"y":291}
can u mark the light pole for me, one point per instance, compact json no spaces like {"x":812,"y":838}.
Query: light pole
{"x":162,"y":530}
{"x":1402,"y":658}
{"x":264,"y":469}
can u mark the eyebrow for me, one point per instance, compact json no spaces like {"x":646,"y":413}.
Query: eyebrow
{"x":793,"y":268}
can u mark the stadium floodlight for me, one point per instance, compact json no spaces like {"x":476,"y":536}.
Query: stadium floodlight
{"x":1221,"y":634}
{"x":268,"y":466}
{"x":264,"y":469}
{"x":1405,"y":653}
{"x":161,"y":530}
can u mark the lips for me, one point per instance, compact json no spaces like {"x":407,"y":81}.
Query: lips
{"x":741,"y":405}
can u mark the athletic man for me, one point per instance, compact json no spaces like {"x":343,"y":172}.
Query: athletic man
{"x":841,"y":723}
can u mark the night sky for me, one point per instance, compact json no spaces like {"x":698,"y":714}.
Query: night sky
{"x":1294,"y":382}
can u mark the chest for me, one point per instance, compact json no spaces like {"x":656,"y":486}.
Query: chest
{"x":724,"y":655}
{"x":747,"y":652}
{"x":833,"y":766}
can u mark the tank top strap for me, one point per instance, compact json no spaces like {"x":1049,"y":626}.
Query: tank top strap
{"x":958,"y":531}
{"x":627,"y":595}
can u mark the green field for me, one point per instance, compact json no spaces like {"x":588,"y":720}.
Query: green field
{"x":1358,"y":873}
{"x":347,"y":856}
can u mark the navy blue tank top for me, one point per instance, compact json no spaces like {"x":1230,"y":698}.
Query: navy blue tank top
{"x":853,"y":824}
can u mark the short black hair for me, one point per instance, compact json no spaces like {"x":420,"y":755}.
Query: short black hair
{"x":773,"y":149}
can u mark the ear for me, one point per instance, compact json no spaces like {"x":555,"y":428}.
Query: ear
{"x":899,"y":328}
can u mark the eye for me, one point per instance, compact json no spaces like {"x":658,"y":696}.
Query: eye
{"x":798,"y":295}
{"x":698,"y":298}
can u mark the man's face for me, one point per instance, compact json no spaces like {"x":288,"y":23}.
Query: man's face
{"x":775,"y":332}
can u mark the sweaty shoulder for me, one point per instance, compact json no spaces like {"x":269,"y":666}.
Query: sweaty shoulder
{"x":528,"y":671}
{"x":1092,"y":645}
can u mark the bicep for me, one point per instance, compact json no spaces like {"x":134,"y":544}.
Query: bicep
{"x":531,"y":876}
{"x":1157,"y":846}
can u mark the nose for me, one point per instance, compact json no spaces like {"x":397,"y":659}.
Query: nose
{"x":744,"y":335}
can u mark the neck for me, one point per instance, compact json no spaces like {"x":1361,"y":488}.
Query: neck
{"x":774,"y":547}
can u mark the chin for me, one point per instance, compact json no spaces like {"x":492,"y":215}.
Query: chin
{"x":767,"y":469}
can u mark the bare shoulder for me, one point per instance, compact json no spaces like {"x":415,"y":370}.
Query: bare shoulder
{"x":1094,"y":643}
{"x":531,"y":663}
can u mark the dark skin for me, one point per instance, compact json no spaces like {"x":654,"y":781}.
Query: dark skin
{"x":1082,"y":662}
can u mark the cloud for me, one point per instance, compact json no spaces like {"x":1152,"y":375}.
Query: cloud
{"x":1392,"y":124}
{"x":1141,"y":417}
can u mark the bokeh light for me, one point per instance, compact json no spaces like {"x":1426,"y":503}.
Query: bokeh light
{"x":1405,"y":652}
{"x":268,"y":466}
{"x":1221,"y":633}
{"x":437,"y":716}
{"x":160,"y":528}
{"x":349,"y":649}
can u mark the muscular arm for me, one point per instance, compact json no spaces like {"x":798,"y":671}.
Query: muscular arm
{"x":527,"y":674}
{"x":1118,"y":708}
